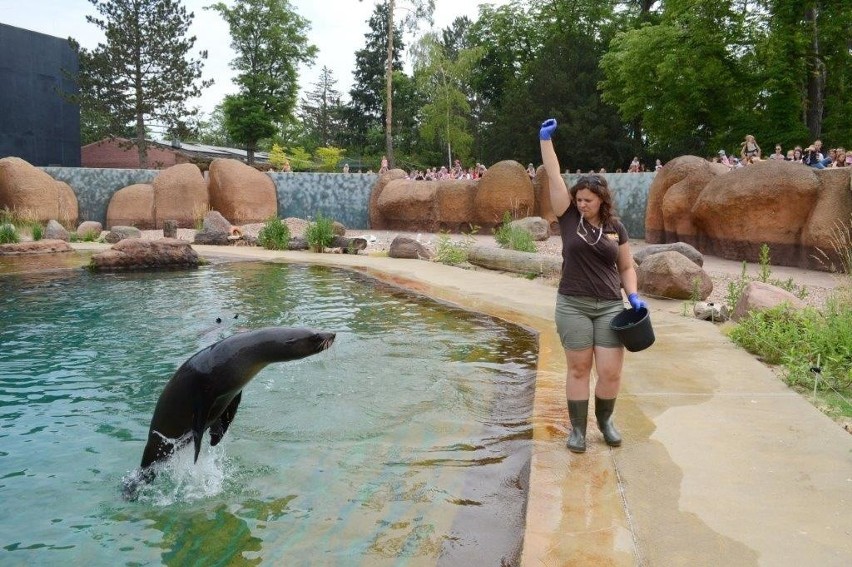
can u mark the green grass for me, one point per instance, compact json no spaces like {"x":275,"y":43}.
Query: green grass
{"x":8,"y":234}
{"x":274,"y":235}
{"x":452,"y":252}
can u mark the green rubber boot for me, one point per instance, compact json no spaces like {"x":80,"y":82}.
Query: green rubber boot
{"x":603,"y":412}
{"x":578,"y":413}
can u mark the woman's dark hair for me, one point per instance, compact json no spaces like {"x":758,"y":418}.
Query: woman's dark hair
{"x":596,"y":184}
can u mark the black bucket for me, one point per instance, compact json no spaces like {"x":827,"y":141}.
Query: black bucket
{"x":633,"y":327}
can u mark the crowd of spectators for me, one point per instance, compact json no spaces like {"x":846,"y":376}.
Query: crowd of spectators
{"x":812,"y":155}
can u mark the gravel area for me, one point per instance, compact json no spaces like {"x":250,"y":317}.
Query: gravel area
{"x":819,"y":285}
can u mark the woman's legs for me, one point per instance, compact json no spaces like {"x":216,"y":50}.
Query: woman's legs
{"x":608,"y":362}
{"x":577,"y":392}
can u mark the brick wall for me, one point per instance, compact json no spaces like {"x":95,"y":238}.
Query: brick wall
{"x":110,"y":154}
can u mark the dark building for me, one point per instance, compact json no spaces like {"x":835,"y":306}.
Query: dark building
{"x":36,"y":123}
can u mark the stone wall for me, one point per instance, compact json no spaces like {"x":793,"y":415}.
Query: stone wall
{"x":342,"y":196}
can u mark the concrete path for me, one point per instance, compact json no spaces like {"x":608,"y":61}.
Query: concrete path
{"x":722,"y":464}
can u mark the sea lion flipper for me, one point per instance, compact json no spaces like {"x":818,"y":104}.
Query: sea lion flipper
{"x":218,"y":429}
{"x":199,"y":418}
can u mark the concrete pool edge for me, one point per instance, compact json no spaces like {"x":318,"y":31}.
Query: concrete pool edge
{"x":721,"y":461}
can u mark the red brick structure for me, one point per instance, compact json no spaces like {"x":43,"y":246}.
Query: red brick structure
{"x":120,"y":153}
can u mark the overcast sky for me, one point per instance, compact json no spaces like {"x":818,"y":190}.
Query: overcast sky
{"x":337,"y":29}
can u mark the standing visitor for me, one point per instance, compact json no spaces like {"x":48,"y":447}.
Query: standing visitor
{"x":750,"y":151}
{"x":596,"y":265}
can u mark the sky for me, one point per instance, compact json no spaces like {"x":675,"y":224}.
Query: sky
{"x":337,"y":29}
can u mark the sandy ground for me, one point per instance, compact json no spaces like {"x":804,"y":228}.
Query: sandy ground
{"x":819,"y":285}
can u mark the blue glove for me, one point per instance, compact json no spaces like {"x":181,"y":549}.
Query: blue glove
{"x":547,"y":128}
{"x":635,"y":302}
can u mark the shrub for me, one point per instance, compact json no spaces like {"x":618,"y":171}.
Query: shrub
{"x":320,"y":233}
{"x":275,"y":235}
{"x":37,"y":231}
{"x":8,"y":234}
{"x":513,"y":238}
{"x":452,"y":252}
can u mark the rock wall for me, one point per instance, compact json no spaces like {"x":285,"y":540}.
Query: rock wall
{"x":790,"y":207}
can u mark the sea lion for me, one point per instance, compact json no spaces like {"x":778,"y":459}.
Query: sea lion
{"x":206,"y":390}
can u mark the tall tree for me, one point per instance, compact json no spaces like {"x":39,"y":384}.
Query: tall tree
{"x":414,"y":11}
{"x":367,"y":110}
{"x":142,"y":73}
{"x":270,"y":40}
{"x":446,"y":115}
{"x":321,"y":111}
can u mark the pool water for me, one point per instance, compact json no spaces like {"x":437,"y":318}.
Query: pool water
{"x":406,"y":443}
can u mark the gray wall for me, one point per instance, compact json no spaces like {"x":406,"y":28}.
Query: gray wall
{"x":343,"y":196}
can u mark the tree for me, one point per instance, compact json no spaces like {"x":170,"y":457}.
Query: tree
{"x":446,"y":114}
{"x":270,"y":40}
{"x":417,"y":10}
{"x":321,"y":111}
{"x":142,"y":74}
{"x":367,"y":109}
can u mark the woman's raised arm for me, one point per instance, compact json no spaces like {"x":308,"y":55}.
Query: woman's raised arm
{"x":560,"y":198}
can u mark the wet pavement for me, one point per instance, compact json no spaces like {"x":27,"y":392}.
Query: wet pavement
{"x":722,"y":464}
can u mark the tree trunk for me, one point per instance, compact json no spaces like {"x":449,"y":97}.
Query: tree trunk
{"x":513,"y":261}
{"x":389,"y":89}
{"x":816,"y":80}
{"x":141,"y":144}
{"x":250,"y":154}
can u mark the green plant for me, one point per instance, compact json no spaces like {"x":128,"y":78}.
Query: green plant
{"x":813,"y":347}
{"x":512,"y":237}
{"x":275,"y":235}
{"x":765,"y":268}
{"x":320,"y":233}
{"x":451,"y":252}
{"x":37,"y":231}
{"x":8,"y":234}
{"x":90,"y":236}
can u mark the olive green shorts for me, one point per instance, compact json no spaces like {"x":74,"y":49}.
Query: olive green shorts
{"x":583,"y":322}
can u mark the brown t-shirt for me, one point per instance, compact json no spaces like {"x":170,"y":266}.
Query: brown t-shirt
{"x":589,"y":269}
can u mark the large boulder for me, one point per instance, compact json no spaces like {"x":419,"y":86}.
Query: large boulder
{"x":759,"y":296}
{"x":674,"y":276}
{"x":138,"y":254}
{"x":404,"y":247}
{"x":88,"y":229}
{"x":790,"y":207}
{"x":537,"y":227}
{"x":240,"y":192}
{"x":505,"y":187}
{"x":33,"y":193}
{"x":119,"y":233}
{"x":180,"y":193}
{"x":689,"y":251}
{"x":55,"y":231}
{"x":132,"y":206}
{"x":427,"y":206}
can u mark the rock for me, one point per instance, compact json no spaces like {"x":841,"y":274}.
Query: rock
{"x":427,"y":206}
{"x":180,"y":193}
{"x":132,"y":206}
{"x":759,"y":296}
{"x":505,"y":187}
{"x":215,"y":238}
{"x":536,"y":226}
{"x":170,"y":227}
{"x":215,"y":222}
{"x":338,"y":228}
{"x":404,"y":247}
{"x":119,"y":233}
{"x":673,"y":275}
{"x":138,"y":254}
{"x":241,"y":193}
{"x":30,"y":191}
{"x":297,"y":243}
{"x":682,"y":247}
{"x":378,"y":221}
{"x":35,"y":247}
{"x":715,"y":312}
{"x":348,"y":245}
{"x":790,"y":207}
{"x":88,"y":229}
{"x":55,"y":231}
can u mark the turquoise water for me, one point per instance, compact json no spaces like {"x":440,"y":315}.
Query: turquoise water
{"x":407,"y":442}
